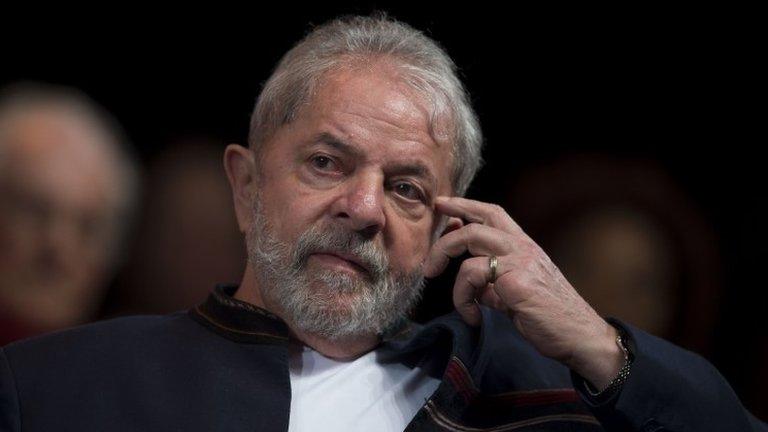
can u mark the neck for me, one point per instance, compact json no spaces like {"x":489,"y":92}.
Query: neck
{"x":341,"y":349}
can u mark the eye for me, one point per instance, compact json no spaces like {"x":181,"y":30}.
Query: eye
{"x":409,"y":191}
{"x":323,"y":163}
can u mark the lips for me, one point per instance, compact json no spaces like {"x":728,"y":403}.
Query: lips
{"x":352,"y":260}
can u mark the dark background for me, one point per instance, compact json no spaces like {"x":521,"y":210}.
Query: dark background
{"x":681,"y":88}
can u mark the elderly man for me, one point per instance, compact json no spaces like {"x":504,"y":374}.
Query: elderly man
{"x":66,"y":187}
{"x":361,"y":143}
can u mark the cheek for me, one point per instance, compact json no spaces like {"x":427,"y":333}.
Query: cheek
{"x":292,"y":210}
{"x":19,"y":242}
{"x":410,"y":245}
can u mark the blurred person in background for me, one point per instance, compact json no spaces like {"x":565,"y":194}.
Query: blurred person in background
{"x":67,"y":188}
{"x":186,"y":237}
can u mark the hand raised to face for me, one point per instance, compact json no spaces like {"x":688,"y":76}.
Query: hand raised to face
{"x":528,"y":287}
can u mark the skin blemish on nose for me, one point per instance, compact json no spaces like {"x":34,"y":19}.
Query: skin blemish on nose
{"x":369,"y":200}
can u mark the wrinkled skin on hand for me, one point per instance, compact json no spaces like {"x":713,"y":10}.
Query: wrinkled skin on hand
{"x":529,"y":288}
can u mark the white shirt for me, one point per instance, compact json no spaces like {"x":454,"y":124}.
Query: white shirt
{"x":357,"y":395}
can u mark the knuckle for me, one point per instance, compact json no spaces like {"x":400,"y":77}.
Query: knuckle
{"x":508,"y":279}
{"x":465,"y":267}
{"x":470,"y":269}
{"x":498,"y":215}
{"x":498,"y":210}
{"x":471,"y":233}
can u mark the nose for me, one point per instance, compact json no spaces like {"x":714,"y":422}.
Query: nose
{"x":68,"y":242}
{"x":360,"y":206}
{"x":58,"y":247}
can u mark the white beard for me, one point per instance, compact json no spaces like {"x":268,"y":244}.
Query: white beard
{"x":330,"y":304}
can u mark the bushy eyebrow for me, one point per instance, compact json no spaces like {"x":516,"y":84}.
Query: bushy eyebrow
{"x":337,"y":143}
{"x":413,"y":168}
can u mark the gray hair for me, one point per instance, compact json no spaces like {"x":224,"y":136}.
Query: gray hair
{"x":358,"y":40}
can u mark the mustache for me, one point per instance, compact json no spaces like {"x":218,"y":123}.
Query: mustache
{"x":338,"y":239}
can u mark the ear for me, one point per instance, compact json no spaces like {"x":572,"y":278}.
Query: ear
{"x":453,"y":224}
{"x":239,"y":163}
{"x":446,"y":225}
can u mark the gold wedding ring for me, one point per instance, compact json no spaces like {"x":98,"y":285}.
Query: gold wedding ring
{"x":493,"y":265}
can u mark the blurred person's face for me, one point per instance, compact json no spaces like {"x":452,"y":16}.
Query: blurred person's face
{"x":54,"y":219}
{"x":622,"y":264}
{"x":346,"y":216}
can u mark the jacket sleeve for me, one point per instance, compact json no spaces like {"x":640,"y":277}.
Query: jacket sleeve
{"x":9,"y":402}
{"x":669,"y":389}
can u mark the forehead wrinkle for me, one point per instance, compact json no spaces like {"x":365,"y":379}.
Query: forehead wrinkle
{"x":404,"y":135}
{"x":408,"y":106}
{"x":337,"y":143}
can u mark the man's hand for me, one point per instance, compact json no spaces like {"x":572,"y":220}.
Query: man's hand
{"x":529,"y":288}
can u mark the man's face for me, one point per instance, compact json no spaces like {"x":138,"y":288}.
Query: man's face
{"x":348,"y":187}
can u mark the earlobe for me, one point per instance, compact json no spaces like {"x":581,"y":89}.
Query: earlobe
{"x":447,"y":225}
{"x":240,"y":168}
{"x":453,"y":224}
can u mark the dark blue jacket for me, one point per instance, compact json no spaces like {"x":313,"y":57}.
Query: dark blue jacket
{"x":223,"y":366}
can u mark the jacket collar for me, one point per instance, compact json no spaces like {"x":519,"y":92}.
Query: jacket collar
{"x":243,"y":322}
{"x":237,"y":320}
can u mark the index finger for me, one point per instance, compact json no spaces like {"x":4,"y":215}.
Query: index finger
{"x":476,"y":211}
